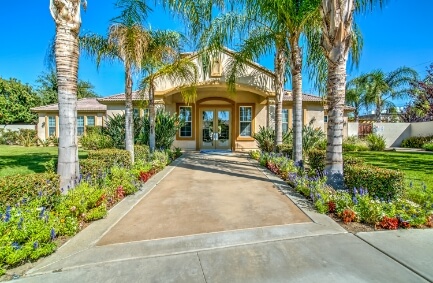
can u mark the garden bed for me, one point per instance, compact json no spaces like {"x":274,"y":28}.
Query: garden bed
{"x":385,"y":202}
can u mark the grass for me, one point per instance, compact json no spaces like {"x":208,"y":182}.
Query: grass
{"x":26,"y":160}
{"x":416,"y":166}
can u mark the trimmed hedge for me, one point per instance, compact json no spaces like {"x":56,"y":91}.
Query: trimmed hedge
{"x":416,"y":142}
{"x":111,"y":157}
{"x":385,"y":184}
{"x":17,"y":187}
{"x":316,"y":160}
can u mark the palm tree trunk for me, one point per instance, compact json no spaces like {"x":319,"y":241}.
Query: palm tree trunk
{"x":335,"y":99}
{"x":129,"y":125}
{"x":296,"y":69}
{"x":337,"y":18}
{"x":68,"y":22}
{"x":378,"y":111}
{"x":280,"y":62}
{"x":152,"y":117}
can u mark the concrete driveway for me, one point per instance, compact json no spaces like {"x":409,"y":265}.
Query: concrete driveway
{"x":212,"y":218}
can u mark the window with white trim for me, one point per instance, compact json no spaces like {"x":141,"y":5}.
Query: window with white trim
{"x":185,"y":113}
{"x":80,"y":125}
{"x":91,"y":121}
{"x":51,"y":126}
{"x":245,"y":121}
{"x":285,"y":120}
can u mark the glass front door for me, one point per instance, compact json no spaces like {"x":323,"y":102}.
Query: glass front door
{"x":215,"y":129}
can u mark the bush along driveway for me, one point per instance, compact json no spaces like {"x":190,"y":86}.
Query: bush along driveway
{"x":375,"y":196}
{"x":35,"y":217}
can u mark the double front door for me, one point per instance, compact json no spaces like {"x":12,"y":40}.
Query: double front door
{"x":215,"y":128}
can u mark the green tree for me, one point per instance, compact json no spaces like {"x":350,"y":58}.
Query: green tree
{"x":269,"y":26}
{"x":381,"y":88}
{"x":338,"y":34}
{"x":48,"y":88}
{"x":163,"y":61}
{"x":16,"y":99}
{"x":67,"y":17}
{"x":356,"y":95}
{"x":127,"y":42}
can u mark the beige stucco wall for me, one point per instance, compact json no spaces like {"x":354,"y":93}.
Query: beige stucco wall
{"x":254,"y":77}
{"x":352,"y":129}
{"x":42,"y":125}
{"x":314,"y":111}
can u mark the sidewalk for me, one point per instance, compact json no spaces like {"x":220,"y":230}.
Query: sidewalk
{"x":219,"y":218}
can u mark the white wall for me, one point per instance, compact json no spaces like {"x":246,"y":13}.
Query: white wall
{"x":421,"y":129}
{"x":394,"y":133}
{"x":17,"y":127}
{"x":352,"y":129}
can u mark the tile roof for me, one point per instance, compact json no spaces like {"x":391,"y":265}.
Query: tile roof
{"x":121,"y":97}
{"x":305,"y":97}
{"x":83,"y":104}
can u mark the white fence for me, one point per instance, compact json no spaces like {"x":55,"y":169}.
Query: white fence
{"x":17,"y":127}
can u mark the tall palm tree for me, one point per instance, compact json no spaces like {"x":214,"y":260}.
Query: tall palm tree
{"x":337,"y":36}
{"x":382,"y":87}
{"x":66,"y":15}
{"x":271,"y":26}
{"x":127,"y":42}
{"x":163,"y":60}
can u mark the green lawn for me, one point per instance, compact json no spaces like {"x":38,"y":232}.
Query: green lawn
{"x":418,"y":167}
{"x":26,"y":160}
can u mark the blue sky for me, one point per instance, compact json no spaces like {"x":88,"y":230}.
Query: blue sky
{"x":397,"y":35}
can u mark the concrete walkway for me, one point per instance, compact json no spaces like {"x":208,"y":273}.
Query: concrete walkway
{"x":255,"y":234}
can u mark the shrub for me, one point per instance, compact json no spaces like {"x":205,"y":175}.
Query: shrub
{"x":428,"y":146}
{"x":166,"y":127}
{"x":92,"y":168}
{"x":285,"y":149}
{"x":159,"y":159}
{"x":311,"y":137}
{"x":94,"y":139}
{"x":111,"y":157}
{"x":141,"y":152}
{"x":353,"y":143}
{"x":376,"y":142}
{"x":416,"y":142}
{"x":27,"y":137}
{"x":8,"y":137}
{"x":115,"y":128}
{"x":316,"y":160}
{"x":384,"y":184}
{"x":265,"y":139}
{"x":19,"y":188}
{"x":121,"y":177}
{"x":254,"y":154}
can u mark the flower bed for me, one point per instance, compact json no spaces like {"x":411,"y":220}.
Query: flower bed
{"x":410,"y":207}
{"x":32,"y":219}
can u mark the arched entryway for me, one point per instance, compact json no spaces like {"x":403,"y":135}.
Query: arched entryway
{"x":215,"y":128}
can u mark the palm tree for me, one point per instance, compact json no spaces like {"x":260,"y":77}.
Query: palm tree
{"x":382,"y":87}
{"x":356,"y":94}
{"x":270,"y":26}
{"x":66,"y":15}
{"x":163,"y":60}
{"x":127,"y":42}
{"x":337,"y":36}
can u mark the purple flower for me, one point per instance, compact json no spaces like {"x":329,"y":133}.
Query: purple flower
{"x":20,"y":223}
{"x":8,"y":214}
{"x":15,"y":245}
{"x":40,"y":194}
{"x":53,"y":234}
{"x":355,"y":191}
{"x":35,"y":245}
{"x":41,"y":214}
{"x":355,"y":200}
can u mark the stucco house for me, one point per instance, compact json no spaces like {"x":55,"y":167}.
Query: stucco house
{"x":217,"y":119}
